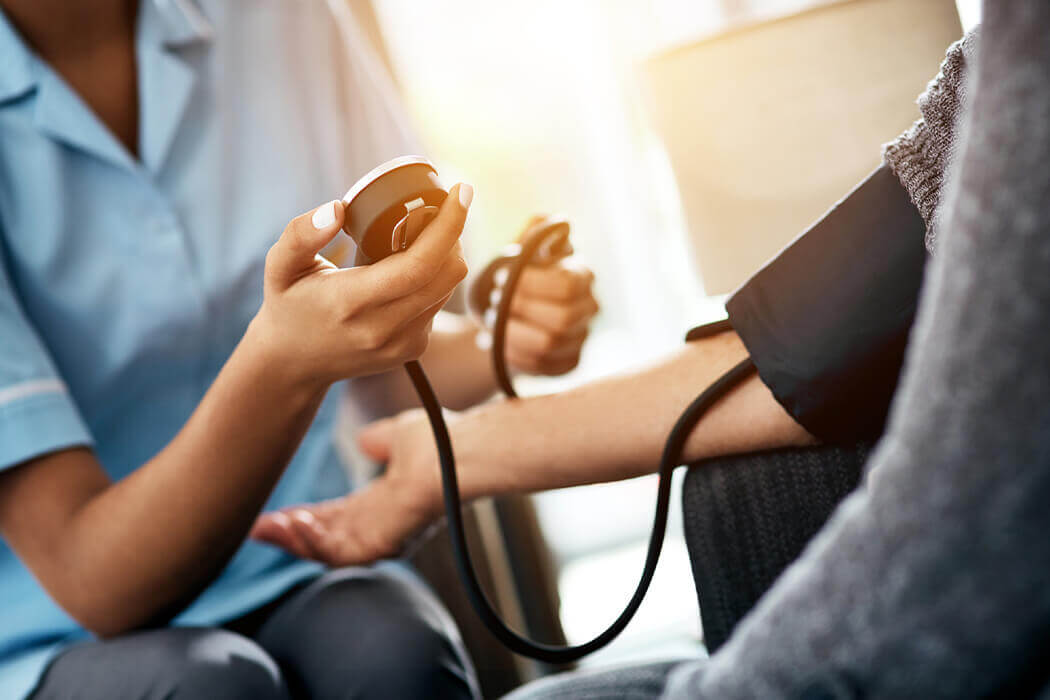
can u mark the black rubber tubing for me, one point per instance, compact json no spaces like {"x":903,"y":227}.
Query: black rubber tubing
{"x":453,"y":505}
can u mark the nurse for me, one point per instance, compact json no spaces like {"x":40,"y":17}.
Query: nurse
{"x":168,"y":355}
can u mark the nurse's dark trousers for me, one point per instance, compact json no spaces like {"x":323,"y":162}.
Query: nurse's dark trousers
{"x":351,"y":633}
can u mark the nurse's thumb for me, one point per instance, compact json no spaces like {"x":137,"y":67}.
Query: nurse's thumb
{"x":304,"y":237}
{"x":375,"y":440}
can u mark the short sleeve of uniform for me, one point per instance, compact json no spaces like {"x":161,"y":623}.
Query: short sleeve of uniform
{"x":37,"y":414}
{"x":827,"y":320}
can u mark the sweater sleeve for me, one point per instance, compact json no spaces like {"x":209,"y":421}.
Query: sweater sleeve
{"x":921,"y":156}
{"x":931,"y":580}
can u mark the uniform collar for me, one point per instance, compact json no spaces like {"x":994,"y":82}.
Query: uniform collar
{"x":183,"y":22}
{"x":165,"y":85}
{"x":17,"y":77}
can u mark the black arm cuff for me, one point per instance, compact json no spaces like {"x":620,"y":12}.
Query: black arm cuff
{"x":827,"y":320}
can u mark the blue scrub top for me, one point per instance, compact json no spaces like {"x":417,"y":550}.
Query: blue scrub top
{"x":125,"y":283}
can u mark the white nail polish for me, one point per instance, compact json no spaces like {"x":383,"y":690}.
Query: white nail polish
{"x":324,"y":216}
{"x":466,"y":195}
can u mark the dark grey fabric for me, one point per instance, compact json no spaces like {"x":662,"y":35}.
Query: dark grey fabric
{"x":747,"y":517}
{"x":163,"y":664}
{"x":640,"y":682}
{"x":352,"y":633}
{"x":933,"y":579}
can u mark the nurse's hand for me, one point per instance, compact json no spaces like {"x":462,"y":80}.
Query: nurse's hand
{"x":378,"y":520}
{"x":319,"y":323}
{"x":549,"y":318}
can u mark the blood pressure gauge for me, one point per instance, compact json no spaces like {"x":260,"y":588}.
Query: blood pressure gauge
{"x":388,"y":207}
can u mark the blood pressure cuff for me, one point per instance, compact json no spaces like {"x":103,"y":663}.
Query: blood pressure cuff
{"x":827,"y":320}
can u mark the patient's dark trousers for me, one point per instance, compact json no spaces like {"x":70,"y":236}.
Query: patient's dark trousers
{"x":351,"y":633}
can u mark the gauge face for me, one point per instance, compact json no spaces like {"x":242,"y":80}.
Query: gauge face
{"x":380,"y":206}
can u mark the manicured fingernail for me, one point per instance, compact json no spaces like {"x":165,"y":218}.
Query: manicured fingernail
{"x":466,"y":194}
{"x":324,"y":216}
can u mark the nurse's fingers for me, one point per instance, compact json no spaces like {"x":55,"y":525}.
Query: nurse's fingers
{"x":296,"y":251}
{"x":400,"y":274}
{"x":432,"y":296}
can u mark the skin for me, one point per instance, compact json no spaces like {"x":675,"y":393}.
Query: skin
{"x":610,"y":430}
{"x":118,"y":556}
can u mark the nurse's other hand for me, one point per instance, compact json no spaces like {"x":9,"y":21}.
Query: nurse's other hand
{"x":319,"y":323}
{"x":550,"y":317}
{"x":377,"y":520}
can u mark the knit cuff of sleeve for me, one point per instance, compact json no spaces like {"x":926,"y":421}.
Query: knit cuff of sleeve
{"x":920,"y":156}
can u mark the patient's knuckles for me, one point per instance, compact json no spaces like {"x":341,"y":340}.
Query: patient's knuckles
{"x":530,"y":363}
{"x":565,"y":317}
{"x":570,"y":283}
{"x":547,"y":341}
{"x":593,"y":307}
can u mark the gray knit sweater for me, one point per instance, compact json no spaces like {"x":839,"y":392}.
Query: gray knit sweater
{"x":933,"y":579}
{"x":920,"y":157}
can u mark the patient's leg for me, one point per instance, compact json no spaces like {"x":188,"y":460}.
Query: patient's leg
{"x":165,"y":664}
{"x":368,"y":633}
{"x":638,"y":682}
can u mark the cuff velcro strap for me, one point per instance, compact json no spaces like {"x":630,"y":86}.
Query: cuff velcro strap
{"x":708,"y":329}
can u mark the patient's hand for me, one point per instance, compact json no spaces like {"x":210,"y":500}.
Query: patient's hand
{"x":376,"y":521}
{"x":549,"y":317}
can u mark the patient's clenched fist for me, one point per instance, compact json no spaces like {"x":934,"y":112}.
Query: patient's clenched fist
{"x":550,"y":316}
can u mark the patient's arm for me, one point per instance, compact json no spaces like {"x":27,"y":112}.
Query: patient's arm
{"x":609,"y":430}
{"x":931,"y":580}
{"x":613,"y":429}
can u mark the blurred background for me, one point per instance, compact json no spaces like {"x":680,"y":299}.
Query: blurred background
{"x":687,"y":141}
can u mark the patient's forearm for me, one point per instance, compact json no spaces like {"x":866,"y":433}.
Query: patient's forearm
{"x":616,"y":429}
